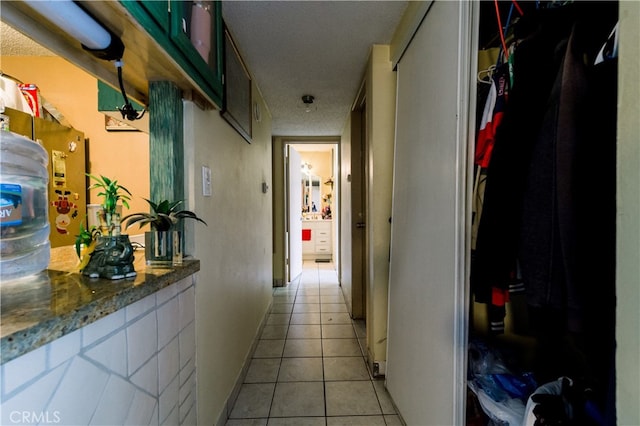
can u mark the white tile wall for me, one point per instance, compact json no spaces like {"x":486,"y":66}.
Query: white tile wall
{"x":62,"y":349}
{"x":133,"y":367}
{"x":146,"y":378}
{"x":112,"y":353}
{"x":143,"y":333}
{"x":102,"y":327}
{"x":168,"y":364}
{"x":168,"y":322}
{"x":19,"y":371}
{"x":169,"y":399}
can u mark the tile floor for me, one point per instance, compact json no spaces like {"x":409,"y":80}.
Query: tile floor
{"x":308,"y":367}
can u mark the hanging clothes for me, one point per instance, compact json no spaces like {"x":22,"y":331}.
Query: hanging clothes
{"x":491,"y":118}
{"x":549,"y":204}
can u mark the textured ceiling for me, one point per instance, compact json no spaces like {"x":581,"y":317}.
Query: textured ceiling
{"x":13,"y":43}
{"x":320,"y":48}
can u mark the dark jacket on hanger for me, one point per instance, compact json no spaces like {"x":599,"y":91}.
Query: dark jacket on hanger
{"x":549,"y":196}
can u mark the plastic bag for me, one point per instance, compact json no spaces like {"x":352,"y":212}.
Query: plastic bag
{"x":501,"y":393}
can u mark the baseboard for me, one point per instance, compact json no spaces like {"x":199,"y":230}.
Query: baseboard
{"x":231,"y":399}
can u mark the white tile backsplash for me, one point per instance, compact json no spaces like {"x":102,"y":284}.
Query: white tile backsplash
{"x":173,"y":418}
{"x":187,"y":343}
{"x":109,"y":372}
{"x":190,"y":418}
{"x":147,"y":376}
{"x":32,"y":399}
{"x":140,"y":307}
{"x":186,"y":370}
{"x":79,"y":393}
{"x":168,"y":364}
{"x":19,"y":371}
{"x":111,"y":353}
{"x":102,"y":327}
{"x":184,"y":283}
{"x":166,"y":294}
{"x":187,"y":389}
{"x":118,"y":393}
{"x":187,"y":303}
{"x":141,"y":410}
{"x":142,"y":341}
{"x":62,"y":349}
{"x":169,"y":400}
{"x":186,"y":404}
{"x":167,"y":325}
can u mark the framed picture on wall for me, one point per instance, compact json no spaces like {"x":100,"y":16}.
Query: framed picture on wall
{"x":237,"y":90}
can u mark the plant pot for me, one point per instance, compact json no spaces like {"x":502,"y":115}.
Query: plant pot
{"x":163,"y":248}
{"x":112,"y":258}
{"x":109,"y":223}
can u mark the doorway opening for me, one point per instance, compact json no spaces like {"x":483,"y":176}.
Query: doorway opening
{"x":312,"y":204}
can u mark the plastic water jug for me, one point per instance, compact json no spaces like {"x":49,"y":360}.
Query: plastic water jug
{"x":24,"y":207}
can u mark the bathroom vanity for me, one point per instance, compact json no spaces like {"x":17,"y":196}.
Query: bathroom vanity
{"x":317,"y":240}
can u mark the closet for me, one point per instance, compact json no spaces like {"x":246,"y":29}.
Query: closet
{"x":542,"y":268}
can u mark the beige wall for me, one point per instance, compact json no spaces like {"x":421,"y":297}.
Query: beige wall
{"x":234,"y":287}
{"x":628,"y":219}
{"x":321,"y":162}
{"x":322,"y":167}
{"x":381,"y":101}
{"x":119,"y":155}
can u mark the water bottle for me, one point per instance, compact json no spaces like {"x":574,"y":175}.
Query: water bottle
{"x":24,"y":207}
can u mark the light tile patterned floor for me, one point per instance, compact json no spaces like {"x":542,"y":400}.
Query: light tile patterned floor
{"x":308,"y":367}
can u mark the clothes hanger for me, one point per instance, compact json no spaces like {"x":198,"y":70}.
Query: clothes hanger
{"x":484,"y":76}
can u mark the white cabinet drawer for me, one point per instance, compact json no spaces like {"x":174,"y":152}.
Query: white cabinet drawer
{"x":323,"y":248}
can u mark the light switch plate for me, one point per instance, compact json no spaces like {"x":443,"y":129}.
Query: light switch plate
{"x":206,"y":181}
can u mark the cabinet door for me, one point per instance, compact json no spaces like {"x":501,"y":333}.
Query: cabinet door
{"x":158,"y":10}
{"x":196,"y":28}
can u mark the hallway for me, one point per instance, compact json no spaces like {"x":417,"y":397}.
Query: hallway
{"x":308,"y":367}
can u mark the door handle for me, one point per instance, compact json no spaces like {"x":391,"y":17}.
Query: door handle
{"x":361,"y":225}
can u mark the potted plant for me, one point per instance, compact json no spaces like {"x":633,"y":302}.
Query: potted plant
{"x":112,"y":257}
{"x":163,"y":244}
{"x":86,"y":243}
{"x":112,"y":193}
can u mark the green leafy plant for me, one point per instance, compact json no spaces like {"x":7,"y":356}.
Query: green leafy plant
{"x":163,"y":216}
{"x":86,"y":236}
{"x":112,"y":193}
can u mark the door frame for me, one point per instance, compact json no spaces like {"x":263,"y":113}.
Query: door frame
{"x":280,"y":216}
{"x":359,"y":207}
{"x":293,"y":252}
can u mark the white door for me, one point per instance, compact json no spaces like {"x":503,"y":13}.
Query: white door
{"x":427,"y":311}
{"x":294,"y":214}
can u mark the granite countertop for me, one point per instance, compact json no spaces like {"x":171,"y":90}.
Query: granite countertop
{"x":46,"y":306}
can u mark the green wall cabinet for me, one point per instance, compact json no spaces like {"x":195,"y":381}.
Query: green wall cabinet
{"x":192,"y":33}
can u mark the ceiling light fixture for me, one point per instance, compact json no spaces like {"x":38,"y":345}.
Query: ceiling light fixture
{"x":308,"y":103}
{"x":73,"y":20}
{"x":93,"y":36}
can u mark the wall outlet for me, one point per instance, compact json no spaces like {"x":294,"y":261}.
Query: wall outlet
{"x":206,"y":181}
